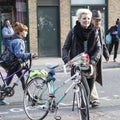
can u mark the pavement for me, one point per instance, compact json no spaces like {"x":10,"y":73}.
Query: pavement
{"x":40,"y":62}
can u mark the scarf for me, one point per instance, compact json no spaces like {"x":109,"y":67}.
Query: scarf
{"x":82,"y":34}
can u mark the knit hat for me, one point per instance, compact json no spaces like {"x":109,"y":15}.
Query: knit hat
{"x":96,"y":14}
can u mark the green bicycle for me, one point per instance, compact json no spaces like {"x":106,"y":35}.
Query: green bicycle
{"x":39,"y":95}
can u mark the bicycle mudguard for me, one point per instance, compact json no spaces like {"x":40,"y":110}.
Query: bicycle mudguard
{"x":40,"y":73}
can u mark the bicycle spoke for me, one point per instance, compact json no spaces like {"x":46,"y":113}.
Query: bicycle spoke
{"x":36,"y":99}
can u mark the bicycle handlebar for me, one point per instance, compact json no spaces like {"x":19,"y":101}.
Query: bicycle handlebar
{"x":30,"y":60}
{"x":86,"y":66}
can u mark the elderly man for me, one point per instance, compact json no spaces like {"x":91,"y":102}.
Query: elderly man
{"x":96,"y":21}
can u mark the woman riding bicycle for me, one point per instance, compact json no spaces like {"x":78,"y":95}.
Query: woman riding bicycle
{"x":17,"y":47}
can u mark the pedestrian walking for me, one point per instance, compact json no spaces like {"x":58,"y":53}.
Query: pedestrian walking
{"x":96,"y":21}
{"x":7,"y":33}
{"x":115,"y":40}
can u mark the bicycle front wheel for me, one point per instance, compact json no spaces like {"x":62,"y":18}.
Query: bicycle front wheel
{"x":36,"y":99}
{"x":82,"y":102}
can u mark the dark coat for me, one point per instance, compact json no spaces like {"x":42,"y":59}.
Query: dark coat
{"x":70,"y":49}
{"x":105,"y":54}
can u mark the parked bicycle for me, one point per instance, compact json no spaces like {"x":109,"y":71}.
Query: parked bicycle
{"x":40,"y":93}
{"x":8,"y":91}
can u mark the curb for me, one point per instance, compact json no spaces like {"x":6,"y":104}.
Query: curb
{"x":40,"y":63}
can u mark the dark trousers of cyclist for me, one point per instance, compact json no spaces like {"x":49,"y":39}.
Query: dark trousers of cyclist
{"x":115,"y":44}
{"x":9,"y":72}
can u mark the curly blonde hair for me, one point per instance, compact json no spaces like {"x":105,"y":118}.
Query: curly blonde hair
{"x":19,"y":27}
{"x":82,"y":11}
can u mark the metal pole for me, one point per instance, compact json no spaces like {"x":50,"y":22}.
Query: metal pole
{"x":27,"y":21}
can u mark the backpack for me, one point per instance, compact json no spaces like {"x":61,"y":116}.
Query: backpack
{"x":8,"y":60}
{"x":108,"y":38}
{"x":119,"y":29}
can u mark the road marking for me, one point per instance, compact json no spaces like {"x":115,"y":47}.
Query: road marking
{"x":105,"y":98}
{"x":16,"y":110}
{"x":1,"y":113}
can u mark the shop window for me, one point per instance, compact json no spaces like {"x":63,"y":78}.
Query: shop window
{"x":21,"y":11}
{"x":87,"y":2}
{"x":47,"y":2}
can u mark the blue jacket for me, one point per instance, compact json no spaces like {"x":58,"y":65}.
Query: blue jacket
{"x":17,"y":47}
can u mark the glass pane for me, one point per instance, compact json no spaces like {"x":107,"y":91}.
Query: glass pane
{"x":86,"y":2}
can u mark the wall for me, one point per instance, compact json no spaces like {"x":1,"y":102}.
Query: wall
{"x":32,"y":4}
{"x":113,"y":11}
{"x":113,"y":14}
{"x":64,"y":20}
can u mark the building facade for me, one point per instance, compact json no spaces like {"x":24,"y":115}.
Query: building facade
{"x":49,"y":21}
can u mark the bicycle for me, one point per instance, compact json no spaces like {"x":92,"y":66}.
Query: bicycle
{"x":39,"y":95}
{"x":8,"y":91}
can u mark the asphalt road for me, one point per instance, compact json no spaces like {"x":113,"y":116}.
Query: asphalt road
{"x":109,"y":97}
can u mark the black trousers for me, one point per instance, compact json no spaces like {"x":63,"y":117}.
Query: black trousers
{"x":9,"y":72}
{"x":115,"y":44}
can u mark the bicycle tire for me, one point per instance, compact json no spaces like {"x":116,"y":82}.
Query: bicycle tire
{"x":83,"y":107}
{"x":86,"y":86}
{"x":36,"y":99}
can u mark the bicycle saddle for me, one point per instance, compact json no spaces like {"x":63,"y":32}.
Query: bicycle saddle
{"x":51,"y":65}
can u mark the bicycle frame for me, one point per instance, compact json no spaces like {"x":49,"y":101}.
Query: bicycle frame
{"x":6,"y":78}
{"x":25,"y":68}
{"x":53,"y":89}
{"x":40,"y":95}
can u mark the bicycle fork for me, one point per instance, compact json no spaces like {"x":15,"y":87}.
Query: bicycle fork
{"x":76,"y":97}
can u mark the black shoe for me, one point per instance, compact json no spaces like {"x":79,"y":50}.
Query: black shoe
{"x":95,"y":104}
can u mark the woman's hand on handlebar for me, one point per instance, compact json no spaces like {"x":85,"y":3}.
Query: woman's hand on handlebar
{"x":34,"y":55}
{"x":69,"y":64}
{"x":92,"y":62}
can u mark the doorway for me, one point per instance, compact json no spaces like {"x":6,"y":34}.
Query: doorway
{"x":48,"y":31}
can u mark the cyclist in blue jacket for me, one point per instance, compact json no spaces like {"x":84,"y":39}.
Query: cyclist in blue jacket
{"x":17,"y":47}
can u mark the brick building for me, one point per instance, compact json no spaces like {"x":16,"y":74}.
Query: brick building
{"x":50,"y":20}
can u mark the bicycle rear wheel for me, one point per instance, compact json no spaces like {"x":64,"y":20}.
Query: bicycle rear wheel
{"x":82,"y":102}
{"x":36,"y":99}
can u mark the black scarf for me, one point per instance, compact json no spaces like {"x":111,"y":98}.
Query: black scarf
{"x":82,"y":34}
